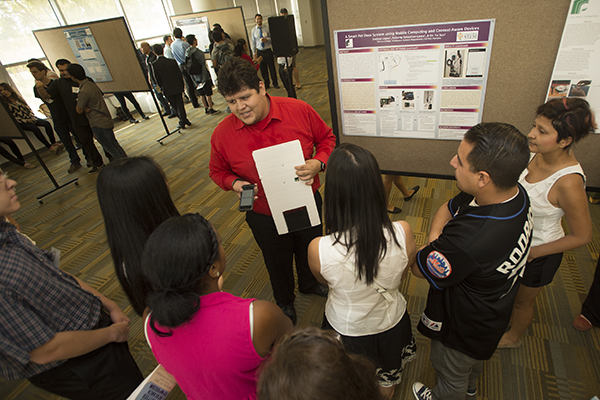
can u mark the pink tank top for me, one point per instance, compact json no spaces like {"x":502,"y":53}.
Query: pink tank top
{"x":212,"y":355}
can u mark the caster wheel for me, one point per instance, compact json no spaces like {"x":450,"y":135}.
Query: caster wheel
{"x":161,"y":143}
{"x":76,"y":183}
{"x":41,"y":201}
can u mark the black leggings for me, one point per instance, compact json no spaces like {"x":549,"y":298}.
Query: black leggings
{"x":17,"y":158}
{"x":33,"y":127}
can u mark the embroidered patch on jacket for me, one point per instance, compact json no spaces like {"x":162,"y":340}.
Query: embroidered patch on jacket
{"x":438,"y":265}
{"x":433,"y":325}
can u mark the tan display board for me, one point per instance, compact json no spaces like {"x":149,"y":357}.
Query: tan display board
{"x":230,"y":19}
{"x":526,"y":39}
{"x":114,"y":41}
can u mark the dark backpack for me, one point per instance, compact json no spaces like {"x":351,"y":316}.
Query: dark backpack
{"x":192,"y":66}
{"x":224,"y":54}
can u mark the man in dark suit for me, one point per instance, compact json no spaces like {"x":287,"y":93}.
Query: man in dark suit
{"x":167,"y":74}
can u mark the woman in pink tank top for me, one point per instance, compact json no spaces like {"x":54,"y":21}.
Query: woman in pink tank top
{"x":212,"y":342}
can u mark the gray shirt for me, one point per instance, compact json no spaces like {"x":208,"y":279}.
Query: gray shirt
{"x":90,"y":96}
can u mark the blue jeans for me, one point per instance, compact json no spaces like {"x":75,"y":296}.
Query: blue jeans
{"x":107,"y":139}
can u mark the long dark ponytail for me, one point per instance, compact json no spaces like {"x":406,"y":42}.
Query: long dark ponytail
{"x":176,"y":257}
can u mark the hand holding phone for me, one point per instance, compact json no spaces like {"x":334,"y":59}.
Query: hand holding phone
{"x":247,"y":198}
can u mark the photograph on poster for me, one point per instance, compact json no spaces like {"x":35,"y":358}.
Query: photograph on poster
{"x":476,"y":63}
{"x":454,"y":63}
{"x":580,"y":89}
{"x":423,"y":81}
{"x":559,"y":88}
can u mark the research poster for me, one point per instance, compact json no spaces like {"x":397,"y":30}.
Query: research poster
{"x":416,"y":81}
{"x":197,"y":26}
{"x":576,"y":72}
{"x":88,"y":54}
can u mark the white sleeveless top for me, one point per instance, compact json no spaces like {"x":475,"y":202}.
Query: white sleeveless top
{"x":354,"y":308}
{"x":546,"y":217}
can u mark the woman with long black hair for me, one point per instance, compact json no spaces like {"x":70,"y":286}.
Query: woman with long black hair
{"x":363,"y":260}
{"x":134,"y":198}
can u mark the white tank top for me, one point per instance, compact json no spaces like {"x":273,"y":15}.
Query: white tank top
{"x":354,"y":308}
{"x":546,"y":217}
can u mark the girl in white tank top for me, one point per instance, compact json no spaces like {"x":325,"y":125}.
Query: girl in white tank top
{"x":555,"y":183}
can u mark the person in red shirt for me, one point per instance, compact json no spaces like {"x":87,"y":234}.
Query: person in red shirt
{"x":258,"y":121}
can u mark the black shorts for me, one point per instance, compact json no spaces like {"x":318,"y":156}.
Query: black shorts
{"x":389,"y":350}
{"x":540,"y":271}
{"x":206,"y":89}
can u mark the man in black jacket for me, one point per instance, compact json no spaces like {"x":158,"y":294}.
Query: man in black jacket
{"x":168,"y":76}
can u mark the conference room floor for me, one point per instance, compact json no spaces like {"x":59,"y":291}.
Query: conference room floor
{"x":555,"y":361}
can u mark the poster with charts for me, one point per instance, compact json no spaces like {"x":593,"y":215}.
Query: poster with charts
{"x":88,"y":54}
{"x":576,"y":72}
{"x":423,"y":81}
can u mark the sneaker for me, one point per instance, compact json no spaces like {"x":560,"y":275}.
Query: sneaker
{"x":206,"y":111}
{"x":73,"y":168}
{"x":133,"y":121}
{"x":212,"y":111}
{"x":471,"y":392}
{"x":421,"y":392}
{"x":95,"y":169}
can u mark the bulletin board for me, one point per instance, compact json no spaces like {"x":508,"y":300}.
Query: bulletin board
{"x":118,"y":51}
{"x":526,"y":41}
{"x":231,"y":20}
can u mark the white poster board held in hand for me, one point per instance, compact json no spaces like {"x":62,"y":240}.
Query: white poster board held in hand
{"x":291,"y":200}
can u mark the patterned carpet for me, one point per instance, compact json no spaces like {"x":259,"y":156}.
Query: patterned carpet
{"x":555,"y":361}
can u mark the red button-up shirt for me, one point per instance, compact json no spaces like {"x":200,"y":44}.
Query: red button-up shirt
{"x":233,"y":142}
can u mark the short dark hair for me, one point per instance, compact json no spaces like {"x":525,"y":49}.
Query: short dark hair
{"x":217,"y":25}
{"x":283,"y":11}
{"x":76,"y":71}
{"x":62,"y":61}
{"x":40,"y":66}
{"x":178,"y":33}
{"x":134,"y":199}
{"x":190,"y":38}
{"x":257,"y":15}
{"x":571,"y":117}
{"x":158,"y":49}
{"x":356,"y":209}
{"x":499,"y":149}
{"x":311,"y":364}
{"x":165,"y":38}
{"x":178,"y":254}
{"x":236,"y":75}
{"x":217,"y":35}
{"x":239,"y":47}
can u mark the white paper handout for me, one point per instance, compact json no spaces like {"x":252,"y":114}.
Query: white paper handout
{"x":291,"y":200}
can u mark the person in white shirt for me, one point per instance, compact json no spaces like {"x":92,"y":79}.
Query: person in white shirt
{"x":260,"y":42}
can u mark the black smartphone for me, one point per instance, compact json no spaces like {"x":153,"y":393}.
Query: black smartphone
{"x":247,"y":198}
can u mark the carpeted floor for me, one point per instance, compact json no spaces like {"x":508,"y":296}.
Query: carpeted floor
{"x":555,"y":361}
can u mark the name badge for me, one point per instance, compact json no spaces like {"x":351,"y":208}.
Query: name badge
{"x":75,"y":89}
